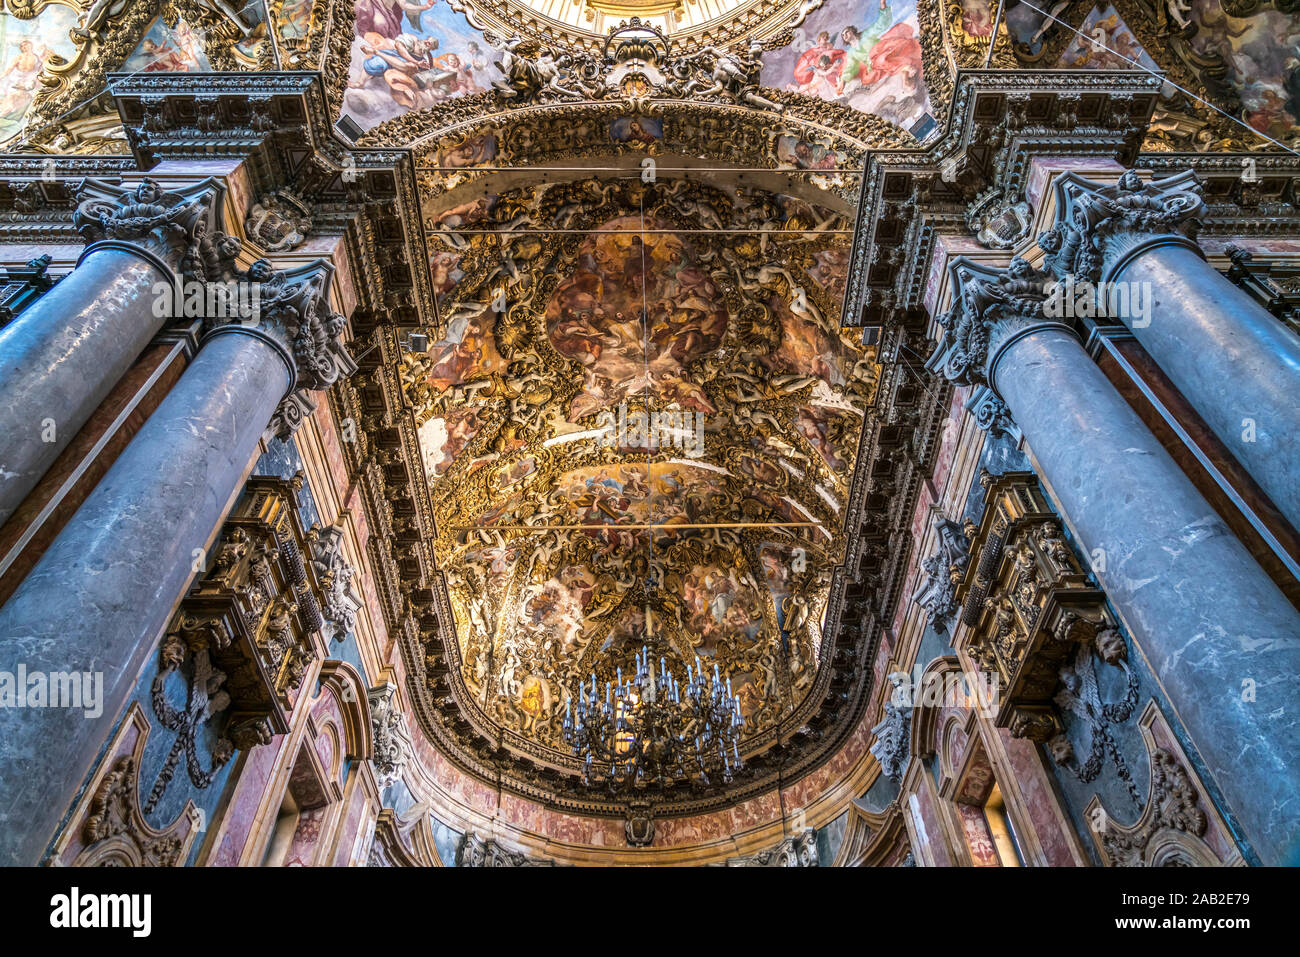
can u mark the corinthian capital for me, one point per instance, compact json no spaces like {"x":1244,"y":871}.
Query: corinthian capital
{"x":181,"y":227}
{"x":989,"y":307}
{"x":1099,"y":227}
{"x":289,"y":308}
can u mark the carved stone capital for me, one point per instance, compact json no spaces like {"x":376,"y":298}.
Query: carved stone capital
{"x":991,"y":309}
{"x":1100,"y":228}
{"x":180,"y":229}
{"x":797,"y":850}
{"x":289,"y":309}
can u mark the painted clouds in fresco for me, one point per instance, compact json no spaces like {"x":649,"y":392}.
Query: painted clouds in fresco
{"x":25,"y":46}
{"x":863,"y":53}
{"x":411,"y":54}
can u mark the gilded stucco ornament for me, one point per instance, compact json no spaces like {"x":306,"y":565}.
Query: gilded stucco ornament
{"x":536,"y":605}
{"x":734,"y":75}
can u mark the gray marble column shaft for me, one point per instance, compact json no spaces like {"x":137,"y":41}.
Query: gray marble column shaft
{"x":62,"y":356}
{"x":1235,"y":363}
{"x":100,"y":596}
{"x":1222,"y":639}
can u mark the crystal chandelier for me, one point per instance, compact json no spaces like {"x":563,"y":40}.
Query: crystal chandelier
{"x":651,"y":729}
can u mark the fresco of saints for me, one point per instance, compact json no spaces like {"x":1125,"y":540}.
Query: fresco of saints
{"x":406,"y":65}
{"x":163,"y":57}
{"x":878,"y":51}
{"x":467,"y":353}
{"x":1108,"y":44}
{"x":817,"y":72}
{"x":534,"y":701}
{"x":378,"y":16}
{"x":975,"y":18}
{"x":293,"y":18}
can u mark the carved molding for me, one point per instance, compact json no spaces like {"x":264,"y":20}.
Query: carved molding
{"x":937,"y":591}
{"x":475,"y":851}
{"x":875,"y":838}
{"x":1178,"y":826}
{"x":797,"y":850}
{"x":1028,"y":604}
{"x":892,"y":747}
{"x":108,"y":827}
{"x":256,"y":611}
{"x":392,"y":741}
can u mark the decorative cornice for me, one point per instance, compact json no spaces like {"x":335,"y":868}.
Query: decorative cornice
{"x":977,"y":171}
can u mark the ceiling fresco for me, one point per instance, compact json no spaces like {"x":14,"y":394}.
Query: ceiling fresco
{"x":27,"y":47}
{"x":1241,"y":55}
{"x":865,"y":54}
{"x":639,"y":423}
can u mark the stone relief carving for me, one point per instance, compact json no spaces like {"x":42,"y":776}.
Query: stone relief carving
{"x":182,"y":227}
{"x":892,"y":747}
{"x":279,"y":221}
{"x":1036,"y":621}
{"x":392,"y":740}
{"x":475,"y":851}
{"x":1081,"y":699}
{"x":114,"y":823}
{"x":293,"y":309}
{"x":340,"y":599}
{"x":1096,"y":222}
{"x":1173,"y":802}
{"x":941,"y":572}
{"x":205,"y":699}
{"x":797,"y":850}
{"x":988,"y":306}
{"x":252,"y":624}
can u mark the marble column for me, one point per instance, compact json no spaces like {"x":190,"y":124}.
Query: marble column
{"x":100,"y":597}
{"x":1222,"y":639}
{"x":1235,"y":363}
{"x":62,"y":356}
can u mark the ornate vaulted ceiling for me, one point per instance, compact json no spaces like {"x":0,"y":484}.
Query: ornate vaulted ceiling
{"x":570,"y":291}
{"x":709,"y":314}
